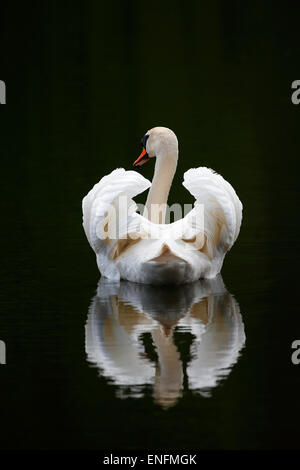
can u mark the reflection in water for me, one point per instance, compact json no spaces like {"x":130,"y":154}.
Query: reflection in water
{"x":169,"y":338}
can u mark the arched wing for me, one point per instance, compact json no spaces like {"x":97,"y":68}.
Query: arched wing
{"x":222,"y":209}
{"x":109,"y":214}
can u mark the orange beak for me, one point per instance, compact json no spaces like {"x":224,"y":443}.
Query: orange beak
{"x":143,"y":158}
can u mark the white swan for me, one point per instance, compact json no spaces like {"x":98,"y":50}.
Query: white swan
{"x":143,"y":248}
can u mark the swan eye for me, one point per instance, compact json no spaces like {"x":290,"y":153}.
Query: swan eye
{"x":144,"y":140}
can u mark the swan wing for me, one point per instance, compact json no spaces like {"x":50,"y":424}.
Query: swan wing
{"x":109,"y":214}
{"x":222,"y":208}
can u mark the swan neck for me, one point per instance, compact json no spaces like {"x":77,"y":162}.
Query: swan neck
{"x":157,"y":199}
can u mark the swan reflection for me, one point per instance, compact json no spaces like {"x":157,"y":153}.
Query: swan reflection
{"x":166,"y":338}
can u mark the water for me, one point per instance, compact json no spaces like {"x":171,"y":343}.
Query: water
{"x":210,"y":365}
{"x":173,"y":339}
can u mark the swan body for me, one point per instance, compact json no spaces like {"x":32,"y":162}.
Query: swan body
{"x":145,"y":249}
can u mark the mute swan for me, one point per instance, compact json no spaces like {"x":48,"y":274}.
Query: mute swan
{"x":143,"y":248}
{"x":122,"y":312}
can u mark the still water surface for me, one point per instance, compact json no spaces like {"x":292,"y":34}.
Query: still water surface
{"x":171,"y":338}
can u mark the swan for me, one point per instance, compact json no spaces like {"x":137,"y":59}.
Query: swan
{"x":143,"y":247}
{"x":121,"y":313}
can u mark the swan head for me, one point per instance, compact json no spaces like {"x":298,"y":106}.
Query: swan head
{"x":157,"y":142}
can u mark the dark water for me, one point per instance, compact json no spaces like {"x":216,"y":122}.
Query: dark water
{"x":97,"y":366}
{"x":166,"y":339}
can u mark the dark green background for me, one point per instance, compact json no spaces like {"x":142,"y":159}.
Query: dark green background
{"x":85,"y":80}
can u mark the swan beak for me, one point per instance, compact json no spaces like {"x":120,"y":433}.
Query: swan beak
{"x":143,"y":158}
